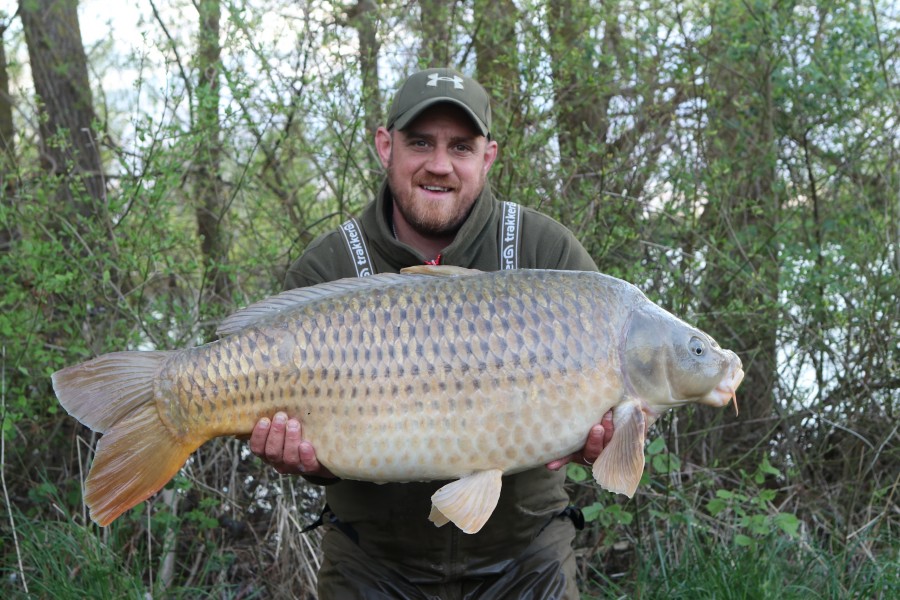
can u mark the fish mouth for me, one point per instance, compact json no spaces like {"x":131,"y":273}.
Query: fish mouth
{"x":725,"y":391}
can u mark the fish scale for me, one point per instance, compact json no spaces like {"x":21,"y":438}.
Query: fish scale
{"x":437,"y":342}
{"x":442,"y":374}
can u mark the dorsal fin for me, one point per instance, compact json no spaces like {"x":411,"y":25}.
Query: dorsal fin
{"x":440,"y":271}
{"x":263,"y":310}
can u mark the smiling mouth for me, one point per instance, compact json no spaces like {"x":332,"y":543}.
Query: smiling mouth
{"x":436,"y":188}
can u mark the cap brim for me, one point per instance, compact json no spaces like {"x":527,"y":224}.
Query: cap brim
{"x":410,"y":115}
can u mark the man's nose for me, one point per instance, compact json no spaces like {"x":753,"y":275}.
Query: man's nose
{"x":440,"y":163}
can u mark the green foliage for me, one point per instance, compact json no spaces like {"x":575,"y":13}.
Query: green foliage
{"x":63,"y":558}
{"x":71,"y":562}
{"x":701,"y":540}
{"x":607,"y":515}
{"x":660,"y":461}
{"x":751,"y":510}
{"x":737,"y":161}
{"x":775,"y":568}
{"x":200,"y":516}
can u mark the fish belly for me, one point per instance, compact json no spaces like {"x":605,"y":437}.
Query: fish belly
{"x":427,"y":381}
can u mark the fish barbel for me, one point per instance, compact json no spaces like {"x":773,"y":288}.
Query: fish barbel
{"x":432,"y":374}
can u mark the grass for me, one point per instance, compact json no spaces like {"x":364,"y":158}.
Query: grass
{"x":742,"y":555}
{"x":64,"y":559}
{"x":256,"y":556}
{"x":777,"y":567}
{"x":707,"y":538}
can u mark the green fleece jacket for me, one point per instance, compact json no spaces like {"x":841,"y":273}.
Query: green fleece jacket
{"x":391,"y":520}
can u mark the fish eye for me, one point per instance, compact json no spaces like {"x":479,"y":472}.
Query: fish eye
{"x":696,"y":346}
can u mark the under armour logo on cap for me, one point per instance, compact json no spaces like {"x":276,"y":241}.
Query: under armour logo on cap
{"x":456,"y":80}
{"x":423,"y":90}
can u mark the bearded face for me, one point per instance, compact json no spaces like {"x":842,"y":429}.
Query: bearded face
{"x":436,"y":169}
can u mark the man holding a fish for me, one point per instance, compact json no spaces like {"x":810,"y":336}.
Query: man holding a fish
{"x":436,"y":207}
{"x":455,"y":386}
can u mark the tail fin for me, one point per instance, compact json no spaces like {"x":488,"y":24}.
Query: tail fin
{"x":138,"y":454}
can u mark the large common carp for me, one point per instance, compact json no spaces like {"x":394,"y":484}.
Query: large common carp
{"x":439,"y":373}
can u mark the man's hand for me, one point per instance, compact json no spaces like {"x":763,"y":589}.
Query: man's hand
{"x":597,"y":439}
{"x":280,"y":443}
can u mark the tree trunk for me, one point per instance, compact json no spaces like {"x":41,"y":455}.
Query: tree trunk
{"x":69,"y":148}
{"x":436,"y":33}
{"x":79,"y":220}
{"x":212,"y":203}
{"x":8,"y":171}
{"x":581,"y":97}
{"x":364,"y":18}
{"x":497,"y":69}
{"x":740,"y":222}
{"x":604,"y":170}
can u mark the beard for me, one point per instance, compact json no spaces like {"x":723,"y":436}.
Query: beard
{"x":431,"y":218}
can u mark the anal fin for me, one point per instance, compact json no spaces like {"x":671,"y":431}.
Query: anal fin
{"x":467,"y":502}
{"x":437,"y":517}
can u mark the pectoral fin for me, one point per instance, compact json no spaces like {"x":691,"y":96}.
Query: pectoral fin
{"x":467,"y":502}
{"x":621,"y":464}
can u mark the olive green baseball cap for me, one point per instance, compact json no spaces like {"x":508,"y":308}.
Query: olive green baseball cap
{"x":434,"y":86}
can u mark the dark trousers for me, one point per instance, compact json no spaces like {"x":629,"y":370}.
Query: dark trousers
{"x":545,"y":570}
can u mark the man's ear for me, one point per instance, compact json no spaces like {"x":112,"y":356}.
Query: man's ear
{"x":491,"y":150}
{"x":383,"y":143}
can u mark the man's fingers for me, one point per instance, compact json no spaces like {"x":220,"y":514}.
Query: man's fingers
{"x":594,"y":444}
{"x":258,"y":437}
{"x":557,"y":464}
{"x":307,"y":458}
{"x":309,"y":464}
{"x":291,"y":449}
{"x":608,"y":427}
{"x":275,"y":441}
